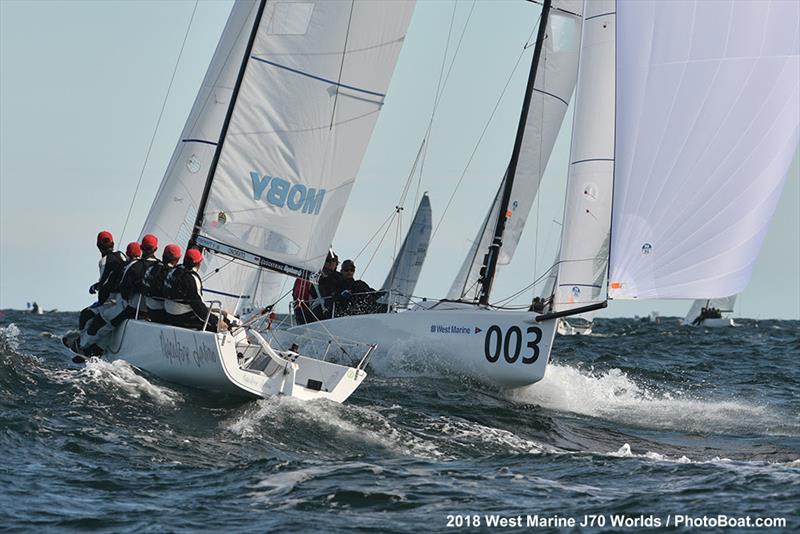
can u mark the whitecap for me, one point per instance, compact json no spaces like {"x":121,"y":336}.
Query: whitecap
{"x":613,"y":395}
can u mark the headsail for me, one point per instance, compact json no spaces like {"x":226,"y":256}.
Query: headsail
{"x":553,"y":86}
{"x":703,"y":142}
{"x":403,"y":276}
{"x":583,"y":254}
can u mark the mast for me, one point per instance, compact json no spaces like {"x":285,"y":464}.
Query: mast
{"x":490,"y":260}
{"x":213,"y":167}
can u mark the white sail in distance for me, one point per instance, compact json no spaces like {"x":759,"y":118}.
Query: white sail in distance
{"x":583,"y":255}
{"x":704,"y":140}
{"x":404,"y":274}
{"x":552,"y":90}
{"x":313,"y":85}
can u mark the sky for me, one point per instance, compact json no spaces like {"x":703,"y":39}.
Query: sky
{"x":81,"y":89}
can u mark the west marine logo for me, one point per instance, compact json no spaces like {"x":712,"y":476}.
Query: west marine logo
{"x":280,"y":193}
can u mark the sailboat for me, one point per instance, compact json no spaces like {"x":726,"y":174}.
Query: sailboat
{"x":259,"y":179}
{"x":464,"y":332}
{"x":685,"y":124}
{"x":407,"y":266}
{"x":715,"y":319}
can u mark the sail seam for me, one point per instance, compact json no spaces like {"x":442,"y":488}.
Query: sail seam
{"x":213,"y":143}
{"x":319,"y":78}
{"x":601,"y":15}
{"x":551,"y":94}
{"x":590,"y":160}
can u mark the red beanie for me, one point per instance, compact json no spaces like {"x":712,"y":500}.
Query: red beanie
{"x":133,"y":250}
{"x":149,"y":243}
{"x":193,"y":255}
{"x":172,"y":252}
{"x":105,"y":239}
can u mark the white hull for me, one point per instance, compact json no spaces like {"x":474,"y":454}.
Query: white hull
{"x":228,"y":363}
{"x":499,"y":348}
{"x":565,"y":328}
{"x":717,"y":323}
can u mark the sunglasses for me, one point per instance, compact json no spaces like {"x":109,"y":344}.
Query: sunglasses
{"x":349,"y":270}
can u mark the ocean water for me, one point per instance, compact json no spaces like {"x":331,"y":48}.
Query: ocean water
{"x":640,"y":423}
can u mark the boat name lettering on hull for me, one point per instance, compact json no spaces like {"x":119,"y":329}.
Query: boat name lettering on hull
{"x":176,"y":352}
{"x":452,"y":329}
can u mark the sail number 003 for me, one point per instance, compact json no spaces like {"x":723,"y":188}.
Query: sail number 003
{"x":510,"y":344}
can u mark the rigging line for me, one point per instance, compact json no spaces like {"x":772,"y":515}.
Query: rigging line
{"x":388,"y":227}
{"x":440,"y":94}
{"x":403,"y":195}
{"x":218,"y":269}
{"x":341,"y":66}
{"x":529,"y":286}
{"x":158,"y":122}
{"x":483,"y":133}
{"x":436,"y":96}
{"x":387,"y":220}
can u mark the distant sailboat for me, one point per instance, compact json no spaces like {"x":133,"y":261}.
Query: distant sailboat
{"x":403,"y":276}
{"x":713,"y":313}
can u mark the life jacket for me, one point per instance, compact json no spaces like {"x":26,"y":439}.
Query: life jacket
{"x":112,"y":275}
{"x":133,"y":275}
{"x":179,"y":292}
{"x":153,"y":279}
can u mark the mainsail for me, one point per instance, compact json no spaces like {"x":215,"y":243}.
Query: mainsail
{"x":403,"y":276}
{"x":704,"y":140}
{"x":276,"y":136}
{"x":553,"y":85}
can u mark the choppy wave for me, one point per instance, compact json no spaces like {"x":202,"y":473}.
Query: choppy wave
{"x":615,"y":396}
{"x":709,"y":423}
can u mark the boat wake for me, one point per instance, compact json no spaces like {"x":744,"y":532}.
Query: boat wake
{"x":117,"y":378}
{"x":614,"y":396}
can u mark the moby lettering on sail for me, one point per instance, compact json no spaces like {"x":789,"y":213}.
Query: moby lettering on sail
{"x":280,"y":193}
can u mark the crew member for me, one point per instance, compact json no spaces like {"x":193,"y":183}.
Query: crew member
{"x":328,"y":288}
{"x":356,"y":296}
{"x":131,"y":285}
{"x":183,"y":291}
{"x":111,"y":266}
{"x":153,"y":282}
{"x":301,"y":293}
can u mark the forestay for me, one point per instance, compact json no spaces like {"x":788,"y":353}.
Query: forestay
{"x":404,"y":274}
{"x":703,"y":143}
{"x":313,"y":85}
{"x":553,"y":87}
{"x":583,"y":256}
